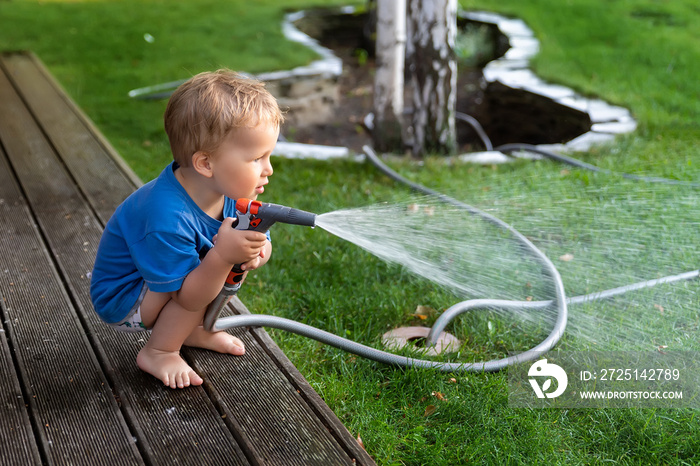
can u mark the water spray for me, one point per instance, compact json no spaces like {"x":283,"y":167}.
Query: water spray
{"x":260,"y":216}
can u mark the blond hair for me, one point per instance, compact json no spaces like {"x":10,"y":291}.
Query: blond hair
{"x":203,"y":110}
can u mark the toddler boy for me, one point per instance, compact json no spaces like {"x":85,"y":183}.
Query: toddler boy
{"x":167,"y":250}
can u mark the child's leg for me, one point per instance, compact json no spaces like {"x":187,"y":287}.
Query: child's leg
{"x":172,"y":326}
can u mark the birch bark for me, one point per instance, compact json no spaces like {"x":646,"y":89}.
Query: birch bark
{"x":432,"y":66}
{"x":389,"y":77}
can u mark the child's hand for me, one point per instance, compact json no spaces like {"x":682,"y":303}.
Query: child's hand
{"x":238,"y":246}
{"x":252,"y":264}
{"x":260,"y":260}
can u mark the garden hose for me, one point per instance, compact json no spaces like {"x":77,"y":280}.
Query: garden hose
{"x":451,"y":313}
{"x":393,"y":359}
{"x":560,"y":303}
{"x":514,"y":148}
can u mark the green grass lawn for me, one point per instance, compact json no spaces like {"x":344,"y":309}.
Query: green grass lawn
{"x":640,"y":54}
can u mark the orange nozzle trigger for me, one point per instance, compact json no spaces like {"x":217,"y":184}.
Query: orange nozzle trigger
{"x":242,"y":205}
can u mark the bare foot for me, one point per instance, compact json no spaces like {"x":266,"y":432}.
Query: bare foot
{"x":220,"y":342}
{"x":167,"y":366}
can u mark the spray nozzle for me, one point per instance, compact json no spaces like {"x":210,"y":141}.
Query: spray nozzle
{"x":260,"y":216}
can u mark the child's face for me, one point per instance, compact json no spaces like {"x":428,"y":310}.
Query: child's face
{"x":241,"y":164}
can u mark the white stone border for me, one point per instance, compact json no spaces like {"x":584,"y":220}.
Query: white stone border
{"x":297,"y":150}
{"x":329,"y":62}
{"x":511,"y":70}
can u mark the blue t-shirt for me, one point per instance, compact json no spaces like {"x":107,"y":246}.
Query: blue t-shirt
{"x":158,"y":235}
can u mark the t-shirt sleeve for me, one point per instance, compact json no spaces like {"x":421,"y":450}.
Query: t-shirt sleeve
{"x":164,"y":260}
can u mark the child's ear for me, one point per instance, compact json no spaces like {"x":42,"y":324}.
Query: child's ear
{"x":201,"y":163}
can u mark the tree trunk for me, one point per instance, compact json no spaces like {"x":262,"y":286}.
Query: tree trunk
{"x":431,"y":62}
{"x":389,"y":77}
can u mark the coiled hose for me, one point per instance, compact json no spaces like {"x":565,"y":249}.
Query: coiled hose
{"x":560,"y":301}
{"x":393,"y":359}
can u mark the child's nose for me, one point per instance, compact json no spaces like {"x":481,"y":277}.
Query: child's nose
{"x":267,"y":170}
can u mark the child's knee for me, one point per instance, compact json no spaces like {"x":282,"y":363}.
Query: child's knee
{"x":151,"y":306}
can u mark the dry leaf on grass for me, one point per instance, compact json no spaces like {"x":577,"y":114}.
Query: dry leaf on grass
{"x":430,"y":409}
{"x":423,"y":312}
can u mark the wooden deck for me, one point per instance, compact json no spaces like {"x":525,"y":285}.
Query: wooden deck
{"x":70,"y":392}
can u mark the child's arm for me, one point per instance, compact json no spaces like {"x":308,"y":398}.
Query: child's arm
{"x":204,"y":283}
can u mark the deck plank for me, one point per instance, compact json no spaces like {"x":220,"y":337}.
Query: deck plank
{"x":314,"y":401}
{"x":273,"y":415}
{"x":256,"y":409}
{"x":57,"y":367}
{"x":16,"y":436}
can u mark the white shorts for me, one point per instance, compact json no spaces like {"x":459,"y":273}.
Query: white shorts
{"x":132,"y":322}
